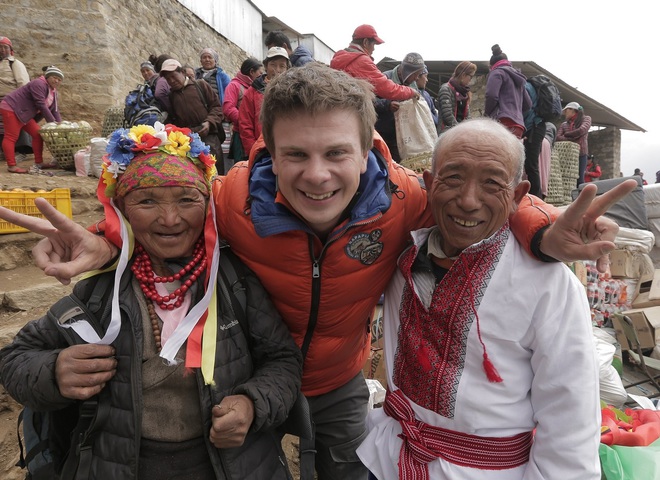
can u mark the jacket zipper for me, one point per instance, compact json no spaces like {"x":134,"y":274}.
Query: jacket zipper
{"x":316,"y":279}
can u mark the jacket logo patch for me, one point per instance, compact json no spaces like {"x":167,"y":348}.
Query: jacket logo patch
{"x":365,"y":247}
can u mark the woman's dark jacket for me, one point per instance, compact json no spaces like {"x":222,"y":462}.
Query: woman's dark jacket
{"x":269,"y":374}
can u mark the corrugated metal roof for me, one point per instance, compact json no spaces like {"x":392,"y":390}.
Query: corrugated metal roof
{"x":601,"y":116}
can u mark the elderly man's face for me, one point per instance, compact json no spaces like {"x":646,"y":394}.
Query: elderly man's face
{"x":470,"y":192}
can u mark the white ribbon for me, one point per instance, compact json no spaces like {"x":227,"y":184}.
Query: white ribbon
{"x":181,"y":333}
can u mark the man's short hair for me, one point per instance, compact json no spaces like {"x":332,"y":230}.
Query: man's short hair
{"x":316,"y":88}
{"x":277,"y":38}
{"x":509,"y":144}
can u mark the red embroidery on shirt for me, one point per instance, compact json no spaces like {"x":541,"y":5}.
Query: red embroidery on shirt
{"x":430,"y":357}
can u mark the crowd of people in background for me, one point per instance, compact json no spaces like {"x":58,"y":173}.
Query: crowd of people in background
{"x":322,"y":215}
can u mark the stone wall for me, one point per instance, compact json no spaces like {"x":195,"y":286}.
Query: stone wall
{"x":605,"y":146}
{"x":99,"y":46}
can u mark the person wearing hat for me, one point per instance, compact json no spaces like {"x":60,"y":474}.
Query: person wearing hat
{"x":148,"y":73}
{"x":192,"y":391}
{"x":13,"y":75}
{"x":249,"y":123}
{"x":357,"y":61}
{"x":506,"y":96}
{"x":251,"y":69}
{"x":212,"y":73}
{"x":298,"y":57}
{"x":421,"y":82}
{"x":194,"y":105}
{"x":576,"y":129}
{"x":23,"y":108}
{"x":404,"y":74}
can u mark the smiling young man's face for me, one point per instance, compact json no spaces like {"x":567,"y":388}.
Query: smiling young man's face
{"x":318,"y":161}
{"x":470,"y":191}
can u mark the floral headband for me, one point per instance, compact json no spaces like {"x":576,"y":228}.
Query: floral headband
{"x":125,"y":144}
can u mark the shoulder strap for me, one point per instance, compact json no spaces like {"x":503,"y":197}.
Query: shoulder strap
{"x":202,"y":95}
{"x":94,"y":411}
{"x":229,"y":271}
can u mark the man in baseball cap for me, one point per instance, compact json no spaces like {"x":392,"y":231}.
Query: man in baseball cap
{"x":367,"y":31}
{"x":357,"y":61}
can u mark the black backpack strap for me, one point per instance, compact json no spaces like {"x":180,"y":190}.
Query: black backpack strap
{"x":93,"y":412}
{"x":229,"y":271}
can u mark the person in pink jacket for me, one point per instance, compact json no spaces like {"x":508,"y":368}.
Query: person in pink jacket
{"x":251,"y":68}
{"x":23,"y":108}
{"x":356,"y":60}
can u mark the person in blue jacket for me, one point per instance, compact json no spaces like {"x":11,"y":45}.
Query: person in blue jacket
{"x":533,"y":140}
{"x":212,"y":73}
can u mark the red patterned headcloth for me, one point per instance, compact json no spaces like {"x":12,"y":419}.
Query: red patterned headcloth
{"x":160,"y":169}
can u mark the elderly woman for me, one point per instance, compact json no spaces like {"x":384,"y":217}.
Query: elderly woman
{"x":23,"y":108}
{"x":212,"y":73}
{"x":169,"y":313}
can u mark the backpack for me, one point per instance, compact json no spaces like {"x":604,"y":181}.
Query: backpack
{"x":548,"y":104}
{"x":142,"y":108}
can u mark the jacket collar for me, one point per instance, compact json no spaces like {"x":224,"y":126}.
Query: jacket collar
{"x":271,"y":213}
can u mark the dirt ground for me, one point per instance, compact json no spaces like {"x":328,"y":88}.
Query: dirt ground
{"x":85,"y":212}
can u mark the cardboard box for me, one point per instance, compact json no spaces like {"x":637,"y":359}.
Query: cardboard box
{"x":622,"y":264}
{"x":375,"y":366}
{"x":648,"y":292}
{"x":646,"y":322}
{"x":579,"y":268}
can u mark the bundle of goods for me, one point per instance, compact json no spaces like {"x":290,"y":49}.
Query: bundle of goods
{"x":563,"y":172}
{"x":64,"y":139}
{"x":606,"y":295}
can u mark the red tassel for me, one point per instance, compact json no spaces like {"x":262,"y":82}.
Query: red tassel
{"x":491,"y":371}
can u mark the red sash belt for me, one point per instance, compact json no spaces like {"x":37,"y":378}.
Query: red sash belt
{"x":423,"y":443}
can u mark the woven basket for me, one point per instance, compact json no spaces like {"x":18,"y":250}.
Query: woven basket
{"x":63,"y":142}
{"x":418,"y":163}
{"x":114,"y":119}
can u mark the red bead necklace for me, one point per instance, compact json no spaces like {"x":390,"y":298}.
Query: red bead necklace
{"x":144,"y":273}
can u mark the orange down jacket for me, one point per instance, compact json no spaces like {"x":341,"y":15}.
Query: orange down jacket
{"x":335,"y":285}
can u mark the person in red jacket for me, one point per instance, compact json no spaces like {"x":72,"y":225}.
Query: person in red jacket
{"x":593,"y":171}
{"x":320,"y":213}
{"x":249,"y":125}
{"x":357,"y":61}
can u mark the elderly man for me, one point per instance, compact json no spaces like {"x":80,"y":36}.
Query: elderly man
{"x":490,"y":359}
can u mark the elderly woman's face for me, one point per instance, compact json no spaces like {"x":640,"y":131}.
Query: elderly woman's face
{"x":5,"y":51}
{"x":166,"y":221}
{"x":207,"y":60}
{"x":147,"y":73}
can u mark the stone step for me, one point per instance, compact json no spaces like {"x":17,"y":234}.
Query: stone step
{"x":27,"y":288}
